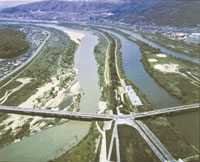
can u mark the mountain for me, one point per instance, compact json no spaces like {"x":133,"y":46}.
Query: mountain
{"x":161,"y":13}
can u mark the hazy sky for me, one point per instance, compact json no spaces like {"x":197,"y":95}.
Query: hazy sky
{"x":11,"y":3}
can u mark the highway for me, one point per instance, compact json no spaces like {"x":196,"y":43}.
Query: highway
{"x":56,"y":114}
{"x":155,"y":150}
{"x":146,"y":134}
{"x":90,"y":116}
{"x":166,"y":111}
{"x":116,"y":138}
{"x":156,"y":141}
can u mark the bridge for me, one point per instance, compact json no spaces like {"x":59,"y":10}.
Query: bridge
{"x":94,"y":117}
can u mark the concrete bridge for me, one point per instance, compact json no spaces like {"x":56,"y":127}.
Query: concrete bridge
{"x":93,"y":117}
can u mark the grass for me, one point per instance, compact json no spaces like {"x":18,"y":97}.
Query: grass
{"x":176,"y":84}
{"x":132,"y":146}
{"x":173,"y":140}
{"x":181,"y":47}
{"x":174,"y":134}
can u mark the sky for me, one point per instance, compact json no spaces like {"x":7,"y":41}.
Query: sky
{"x":11,"y":3}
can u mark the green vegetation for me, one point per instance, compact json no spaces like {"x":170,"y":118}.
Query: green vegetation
{"x":177,"y":84}
{"x":133,"y":147}
{"x":56,"y":57}
{"x":108,"y":93}
{"x":7,"y":137}
{"x":12,"y":43}
{"x":192,"y":50}
{"x":128,"y":134}
{"x":174,"y":83}
{"x":173,"y":140}
{"x":85,"y":150}
{"x":43,"y":67}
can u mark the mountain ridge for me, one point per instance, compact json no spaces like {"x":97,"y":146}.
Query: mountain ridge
{"x":160,"y":13}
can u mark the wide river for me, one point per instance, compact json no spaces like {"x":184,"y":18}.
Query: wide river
{"x":54,"y":141}
{"x":159,"y":97}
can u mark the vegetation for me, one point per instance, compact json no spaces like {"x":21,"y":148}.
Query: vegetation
{"x":133,"y":147}
{"x":85,"y":150}
{"x":173,"y":140}
{"x":58,"y":53}
{"x":192,"y":50}
{"x":12,"y":43}
{"x":130,"y":139}
{"x":108,"y":93}
{"x":176,"y":84}
{"x":43,"y":68}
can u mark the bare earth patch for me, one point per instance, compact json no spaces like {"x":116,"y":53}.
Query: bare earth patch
{"x":161,"y":55}
{"x":75,"y":36}
{"x":75,"y":89}
{"x":169,"y":68}
{"x":152,"y":60}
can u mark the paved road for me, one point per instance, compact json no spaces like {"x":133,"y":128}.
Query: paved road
{"x":56,"y":114}
{"x":158,"y":144}
{"x":25,"y":63}
{"x":116,"y":138}
{"x":166,"y":111}
{"x":90,"y":116}
{"x":155,"y":150}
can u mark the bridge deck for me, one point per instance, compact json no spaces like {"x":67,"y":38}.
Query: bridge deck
{"x":90,"y":116}
{"x":55,"y":114}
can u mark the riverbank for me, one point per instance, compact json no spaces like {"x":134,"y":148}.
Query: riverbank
{"x":123,"y":106}
{"x":178,"y":46}
{"x":44,"y":89}
{"x":178,"y":76}
{"x":174,"y":131}
{"x":89,"y":146}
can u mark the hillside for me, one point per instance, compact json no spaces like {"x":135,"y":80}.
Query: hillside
{"x":183,"y":13}
{"x":161,"y":13}
{"x":12,"y":43}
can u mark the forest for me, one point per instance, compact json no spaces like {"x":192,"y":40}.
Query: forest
{"x":12,"y":43}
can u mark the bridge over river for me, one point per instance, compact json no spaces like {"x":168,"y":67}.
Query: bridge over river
{"x":131,"y":120}
{"x":96,"y":117}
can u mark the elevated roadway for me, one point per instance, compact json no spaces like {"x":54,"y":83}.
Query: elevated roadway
{"x":166,"y":111}
{"x":56,"y":114}
{"x":93,"y":117}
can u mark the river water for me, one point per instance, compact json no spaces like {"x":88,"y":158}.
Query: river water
{"x":159,"y":97}
{"x":55,"y":141}
{"x":137,"y":36}
{"x":52,"y":142}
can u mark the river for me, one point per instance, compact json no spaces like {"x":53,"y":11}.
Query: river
{"x":137,"y":36}
{"x":55,"y":141}
{"x":158,"y":96}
